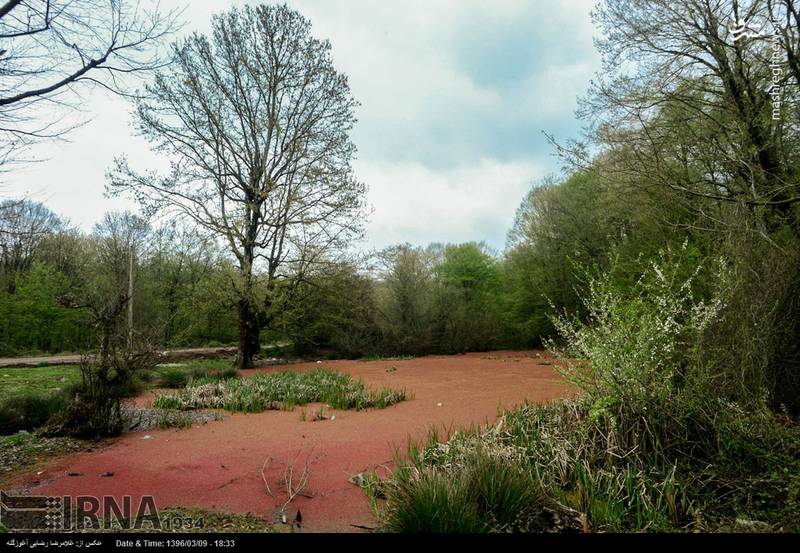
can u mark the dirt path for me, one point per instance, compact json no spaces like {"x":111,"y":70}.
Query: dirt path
{"x":171,"y":355}
{"x":218,"y":465}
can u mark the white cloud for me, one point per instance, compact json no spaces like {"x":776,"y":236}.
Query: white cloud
{"x":416,"y":204}
{"x":454,"y":93}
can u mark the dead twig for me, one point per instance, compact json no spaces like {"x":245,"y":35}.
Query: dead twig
{"x":294,"y":481}
{"x":267,"y":461}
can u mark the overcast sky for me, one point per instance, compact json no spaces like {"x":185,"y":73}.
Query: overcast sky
{"x":454,"y":97}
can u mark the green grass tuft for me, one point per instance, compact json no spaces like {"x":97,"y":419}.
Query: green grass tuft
{"x":280,"y":390}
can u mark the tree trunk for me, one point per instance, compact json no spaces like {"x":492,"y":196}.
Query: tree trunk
{"x":249,"y":334}
{"x":105,"y":344}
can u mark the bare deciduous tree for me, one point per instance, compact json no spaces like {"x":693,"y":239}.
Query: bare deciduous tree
{"x":785,"y":16}
{"x":51,"y":50}
{"x":23,"y":226}
{"x":256,"y":122}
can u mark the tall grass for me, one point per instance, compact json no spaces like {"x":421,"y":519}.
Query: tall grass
{"x":452,"y":488}
{"x":280,"y":390}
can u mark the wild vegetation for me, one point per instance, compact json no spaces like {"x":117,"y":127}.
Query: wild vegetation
{"x":37,"y":398}
{"x":664,"y":263}
{"x":649,"y":444}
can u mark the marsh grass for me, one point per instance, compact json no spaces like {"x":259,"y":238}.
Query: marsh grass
{"x":560,"y":469}
{"x":460,"y":486}
{"x":280,"y":391}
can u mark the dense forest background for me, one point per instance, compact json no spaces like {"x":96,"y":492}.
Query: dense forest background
{"x":405,"y":300}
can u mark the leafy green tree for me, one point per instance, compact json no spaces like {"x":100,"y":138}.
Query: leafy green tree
{"x":564,"y":230}
{"x":467,"y":299}
{"x":334,"y":312}
{"x":33,"y":321}
{"x":687,"y":104}
{"x":24,"y":225}
{"x":404,"y":299}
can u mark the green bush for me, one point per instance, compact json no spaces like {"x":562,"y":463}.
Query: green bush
{"x":29,"y":412}
{"x":637,"y":349}
{"x":95,"y":408}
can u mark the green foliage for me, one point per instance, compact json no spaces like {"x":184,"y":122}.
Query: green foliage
{"x":443,"y":299}
{"x":594,"y":475}
{"x":754,"y":345}
{"x":463,"y":487}
{"x":32,"y":320}
{"x":332,"y":312}
{"x":279,"y":390}
{"x":641,"y":340}
{"x":404,"y":300}
{"x":565,"y":232}
{"x":180,"y":296}
{"x":30,"y":411}
{"x":95,"y":407}
{"x":466,"y":300}
{"x":432,"y":502}
{"x":30,"y":398}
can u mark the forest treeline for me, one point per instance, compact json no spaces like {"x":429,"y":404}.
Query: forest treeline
{"x":404,"y":300}
{"x":408,"y":300}
{"x":662,"y":267}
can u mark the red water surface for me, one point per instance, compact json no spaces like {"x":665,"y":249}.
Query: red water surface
{"x":218,"y":465}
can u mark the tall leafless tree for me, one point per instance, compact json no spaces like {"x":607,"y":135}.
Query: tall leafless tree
{"x":256,"y":122}
{"x":52,"y":50}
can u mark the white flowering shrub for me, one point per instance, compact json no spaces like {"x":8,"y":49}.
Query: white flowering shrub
{"x":639,"y":345}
